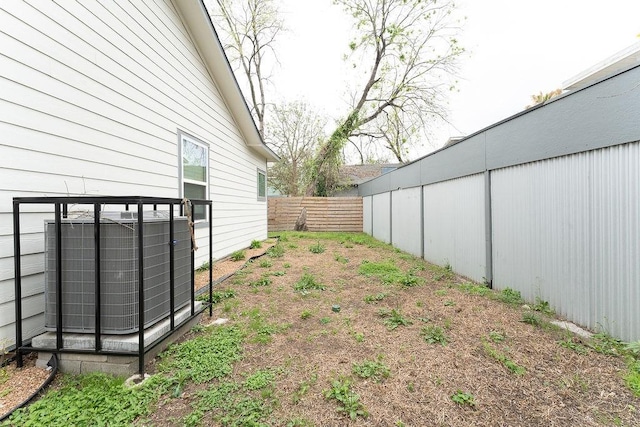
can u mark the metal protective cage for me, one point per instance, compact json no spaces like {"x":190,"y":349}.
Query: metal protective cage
{"x":148,"y":261}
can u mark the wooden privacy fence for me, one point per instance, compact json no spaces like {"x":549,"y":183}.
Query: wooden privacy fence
{"x":322,"y":213}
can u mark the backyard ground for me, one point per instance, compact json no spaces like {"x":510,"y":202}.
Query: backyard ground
{"x":412,"y":344}
{"x":339,"y":329}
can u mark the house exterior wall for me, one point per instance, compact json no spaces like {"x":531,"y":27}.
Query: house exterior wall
{"x":547,"y":201}
{"x":93,"y":96}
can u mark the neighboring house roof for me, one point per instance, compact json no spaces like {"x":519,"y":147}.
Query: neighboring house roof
{"x":206,"y":38}
{"x":357,"y":174}
{"x":617,"y":62}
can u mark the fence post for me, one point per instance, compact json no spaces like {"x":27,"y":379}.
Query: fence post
{"x":487,"y":229}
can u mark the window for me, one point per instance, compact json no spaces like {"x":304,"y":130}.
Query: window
{"x":262,"y":185}
{"x":195,"y":173}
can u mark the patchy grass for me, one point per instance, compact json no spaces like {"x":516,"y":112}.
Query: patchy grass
{"x":286,"y":359}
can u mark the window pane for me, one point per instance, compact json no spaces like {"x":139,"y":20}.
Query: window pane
{"x":262,"y":184}
{"x":194,"y":161}
{"x":194,"y":191}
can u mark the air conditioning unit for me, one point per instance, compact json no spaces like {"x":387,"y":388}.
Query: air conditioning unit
{"x":119,"y":255}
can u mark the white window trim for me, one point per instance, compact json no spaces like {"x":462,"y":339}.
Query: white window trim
{"x":186,"y":137}
{"x":263,"y":172}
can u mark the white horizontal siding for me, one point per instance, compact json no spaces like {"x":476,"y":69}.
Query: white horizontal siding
{"x":92,"y":96}
{"x":567,"y":230}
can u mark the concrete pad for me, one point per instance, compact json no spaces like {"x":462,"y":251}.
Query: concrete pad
{"x":573,"y":328}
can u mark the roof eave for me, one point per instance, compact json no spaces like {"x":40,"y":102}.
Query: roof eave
{"x":197,"y":19}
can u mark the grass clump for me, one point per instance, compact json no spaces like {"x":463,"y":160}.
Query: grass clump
{"x":341,"y":259}
{"x":217,"y":296}
{"x":255,"y":244}
{"x":542,"y":306}
{"x":386,"y":271}
{"x":92,"y":399}
{"x":376,"y":370}
{"x":276,"y":251}
{"x":348,"y":401}
{"x":632,"y":377}
{"x":605,"y":344}
{"x":393,"y":319}
{"x":205,"y":357}
{"x":574,"y":345}
{"x":262,"y":281}
{"x":304,"y":387}
{"x":308,"y":283}
{"x":434,"y":335}
{"x":531,"y":319}
{"x":266,"y":263}
{"x":238,"y":255}
{"x":463,"y":399}
{"x":305,"y":314}
{"x":474,"y":289}
{"x":512,"y":366}
{"x":509,"y":296}
{"x":318,"y":248}
{"x":370,"y":299}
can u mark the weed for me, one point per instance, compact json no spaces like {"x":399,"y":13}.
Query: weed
{"x":633,"y":348}
{"x":419,"y":303}
{"x":277,"y":273}
{"x":632,"y":378}
{"x":369,"y":299}
{"x":304,"y":387}
{"x":509,"y":296}
{"x":531,"y":319}
{"x":206,"y":356}
{"x":571,"y":344}
{"x":473,"y":289}
{"x":411,"y":387}
{"x":410,"y":280}
{"x":318,"y":248}
{"x":292,"y":246}
{"x":542,"y":306}
{"x":299,"y":422}
{"x":276,"y":251}
{"x":497,"y":336}
{"x":376,"y":370}
{"x":502,"y":358}
{"x":449,"y":303}
{"x":305,"y":314}
{"x":463,"y":399}
{"x":359,"y":337}
{"x":262,"y":281}
{"x":203,"y":267}
{"x":255,"y":244}
{"x":341,"y":259}
{"x":307,"y":283}
{"x":238,"y":255}
{"x":605,"y":344}
{"x":348,"y":401}
{"x":325,"y":320}
{"x":393,"y":319}
{"x":441,"y":292}
{"x":259,"y":379}
{"x":266,"y":263}
{"x":286,"y":265}
{"x":261,"y":329}
{"x":387,"y":271}
{"x":218,"y":296}
{"x":92,"y":399}
{"x":434,"y":335}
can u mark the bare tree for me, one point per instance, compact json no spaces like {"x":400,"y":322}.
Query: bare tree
{"x":408,"y":53}
{"x":541,"y":98}
{"x":295,"y":131}
{"x":250,"y":29}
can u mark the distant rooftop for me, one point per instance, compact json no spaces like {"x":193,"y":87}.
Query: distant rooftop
{"x":620,"y":61}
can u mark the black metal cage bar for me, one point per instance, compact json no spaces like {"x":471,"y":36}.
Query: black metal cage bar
{"x":61,"y":211}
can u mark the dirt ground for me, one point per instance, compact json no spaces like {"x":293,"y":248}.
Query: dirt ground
{"x":559,"y":387}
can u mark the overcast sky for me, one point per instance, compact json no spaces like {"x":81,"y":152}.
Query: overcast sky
{"x":516,"y":49}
